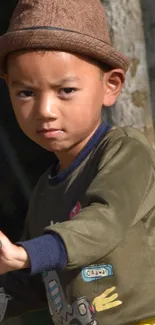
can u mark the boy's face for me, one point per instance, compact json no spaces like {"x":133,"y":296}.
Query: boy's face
{"x":57,"y":97}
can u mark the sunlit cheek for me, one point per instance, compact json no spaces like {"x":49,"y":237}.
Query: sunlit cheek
{"x":82,"y":117}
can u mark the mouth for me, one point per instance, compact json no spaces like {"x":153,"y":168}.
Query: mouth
{"x":49,"y":133}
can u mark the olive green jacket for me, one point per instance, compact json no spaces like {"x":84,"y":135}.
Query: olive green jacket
{"x":104,"y":211}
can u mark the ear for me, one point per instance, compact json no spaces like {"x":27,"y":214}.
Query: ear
{"x":113,"y":82}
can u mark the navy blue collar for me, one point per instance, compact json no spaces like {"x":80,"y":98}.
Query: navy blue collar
{"x":55,"y":178}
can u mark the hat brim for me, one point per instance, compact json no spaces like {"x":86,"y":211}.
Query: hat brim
{"x":60,"y":40}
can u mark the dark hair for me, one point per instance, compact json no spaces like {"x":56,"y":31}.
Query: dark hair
{"x":103,"y":66}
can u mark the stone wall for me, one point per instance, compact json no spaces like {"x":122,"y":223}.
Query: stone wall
{"x":133,"y":107}
{"x":148,"y":9}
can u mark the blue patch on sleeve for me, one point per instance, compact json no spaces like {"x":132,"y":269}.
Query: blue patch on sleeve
{"x":96,"y":272}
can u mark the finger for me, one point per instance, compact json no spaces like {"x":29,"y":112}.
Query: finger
{"x":110,"y":299}
{"x":104,"y":295}
{"x":112,"y":305}
{"x":107,"y":292}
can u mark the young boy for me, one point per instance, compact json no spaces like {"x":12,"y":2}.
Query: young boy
{"x":88,"y":250}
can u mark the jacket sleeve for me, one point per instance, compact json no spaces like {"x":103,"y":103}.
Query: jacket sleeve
{"x":115,"y":197}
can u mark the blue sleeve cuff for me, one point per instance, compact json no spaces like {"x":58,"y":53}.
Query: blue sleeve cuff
{"x":46,"y":253}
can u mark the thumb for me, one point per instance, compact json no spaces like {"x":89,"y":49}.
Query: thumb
{"x":4,"y":241}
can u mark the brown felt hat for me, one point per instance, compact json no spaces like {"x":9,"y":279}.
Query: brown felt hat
{"x":74,"y":26}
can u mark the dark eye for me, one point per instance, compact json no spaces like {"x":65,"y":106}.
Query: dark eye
{"x":66,"y":91}
{"x":69,"y":90}
{"x":25,"y":94}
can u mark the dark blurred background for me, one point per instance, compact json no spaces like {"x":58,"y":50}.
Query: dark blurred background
{"x":21,"y":164}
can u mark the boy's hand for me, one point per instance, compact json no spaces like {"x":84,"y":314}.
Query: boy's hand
{"x":12,"y":257}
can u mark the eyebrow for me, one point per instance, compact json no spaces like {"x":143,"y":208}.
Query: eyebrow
{"x":18,"y":83}
{"x":70,"y":78}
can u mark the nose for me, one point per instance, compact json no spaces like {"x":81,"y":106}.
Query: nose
{"x":46,"y":107}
